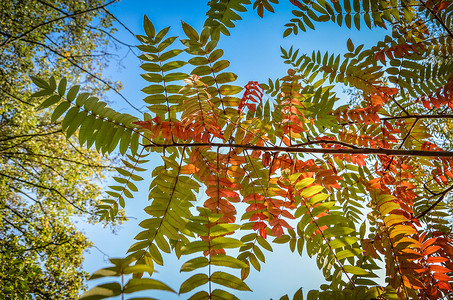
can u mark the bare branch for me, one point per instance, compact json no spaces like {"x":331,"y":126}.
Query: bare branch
{"x":12,"y":39}
{"x":355,"y":151}
{"x":442,"y":196}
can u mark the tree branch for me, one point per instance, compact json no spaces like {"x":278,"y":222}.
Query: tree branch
{"x":47,"y":188}
{"x":443,"y":194}
{"x":84,"y":70}
{"x":29,"y":135}
{"x":365,"y":151}
{"x":438,"y":19}
{"x":13,"y":39}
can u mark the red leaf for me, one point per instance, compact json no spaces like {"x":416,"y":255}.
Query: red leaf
{"x":428,"y":243}
{"x":277,"y":230}
{"x":253,"y":197}
{"x":432,"y":260}
{"x":266,"y":159}
{"x":442,"y":277}
{"x":287,"y":214}
{"x":431,"y":250}
{"x":439,"y":269}
{"x":444,"y":285}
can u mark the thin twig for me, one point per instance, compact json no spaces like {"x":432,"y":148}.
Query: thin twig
{"x":13,"y":39}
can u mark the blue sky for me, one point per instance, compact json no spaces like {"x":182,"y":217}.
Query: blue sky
{"x":253,"y":50}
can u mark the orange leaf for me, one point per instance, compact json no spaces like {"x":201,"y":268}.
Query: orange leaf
{"x":287,"y":214}
{"x":432,"y":260}
{"x":442,"y":277}
{"x":439,"y":269}
{"x":188,"y":169}
{"x":413,"y":283}
{"x":428,"y":243}
{"x":444,"y":285}
{"x":431,"y":250}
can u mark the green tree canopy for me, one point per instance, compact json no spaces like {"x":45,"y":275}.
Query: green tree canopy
{"x":45,"y":178}
{"x":359,"y":188}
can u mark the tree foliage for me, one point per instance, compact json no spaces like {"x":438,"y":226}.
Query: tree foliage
{"x":46,"y":179}
{"x":358,"y":187}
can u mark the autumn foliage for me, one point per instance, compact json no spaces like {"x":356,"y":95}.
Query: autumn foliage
{"x":361,"y":187}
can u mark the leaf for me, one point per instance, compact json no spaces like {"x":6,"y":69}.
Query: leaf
{"x":102,"y":291}
{"x":148,"y":26}
{"x":304,"y":183}
{"x":143,"y":284}
{"x":193,"y":282}
{"x":220,"y":65}
{"x":190,"y":32}
{"x":310,"y":191}
{"x":222,"y":295}
{"x":49,"y":101}
{"x":350,"y":45}
{"x":225,"y":77}
{"x":107,"y":272}
{"x":228,"y":261}
{"x":227,"y":90}
{"x":355,"y":270}
{"x":195,"y":263}
{"x":41,"y":83}
{"x":70,"y":96}
{"x":224,"y":242}
{"x":62,"y":86}
{"x":229,"y":281}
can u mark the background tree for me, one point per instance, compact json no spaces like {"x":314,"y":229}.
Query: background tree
{"x":46,"y":179}
{"x":360,"y":188}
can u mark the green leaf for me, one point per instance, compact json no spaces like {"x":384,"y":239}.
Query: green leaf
{"x":264,"y":243}
{"x":41,"y":83}
{"x":193,"y":282}
{"x":220,"y":65}
{"x":173,"y":65}
{"x":229,"y":90}
{"x":350,"y":45}
{"x":190,"y":32}
{"x":229,"y":281}
{"x":228,"y":261}
{"x":337,"y":231}
{"x":125,"y":138}
{"x":225,"y":77}
{"x":69,"y":117}
{"x":215,"y":55}
{"x":198,"y":61}
{"x":224,"y":242}
{"x":153,"y":89}
{"x":138,"y":268}
{"x":169,"y":54}
{"x":72,"y":93}
{"x":222,"y":295}
{"x":102,"y":291}
{"x":195,"y":263}
{"x":75,"y":123}
{"x":310,"y":191}
{"x":175,"y":76}
{"x":298,"y":295}
{"x":196,"y":246}
{"x":50,"y":101}
{"x":221,"y":229}
{"x":106,"y":272}
{"x":143,"y":284}
{"x":62,"y":86}
{"x":348,"y":253}
{"x":61,"y":109}
{"x":201,"y":295}
{"x":304,"y":183}
{"x":148,"y":26}
{"x":355,"y":270}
